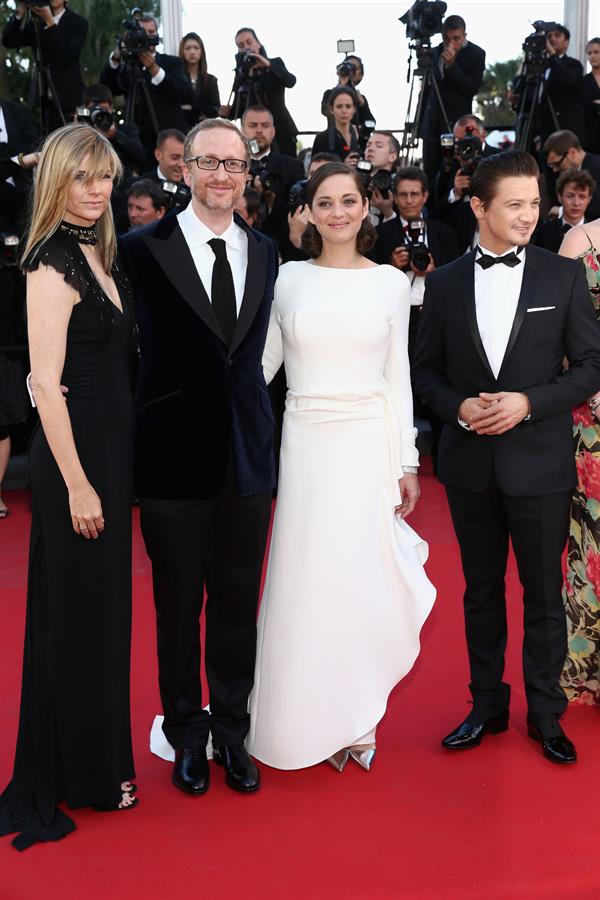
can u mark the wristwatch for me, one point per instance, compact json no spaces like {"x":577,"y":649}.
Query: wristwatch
{"x":410,"y":470}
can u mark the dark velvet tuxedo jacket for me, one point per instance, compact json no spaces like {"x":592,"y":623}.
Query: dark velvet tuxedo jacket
{"x":199,"y":403}
{"x":60,"y":48}
{"x":536,"y":457}
{"x":459,"y":85}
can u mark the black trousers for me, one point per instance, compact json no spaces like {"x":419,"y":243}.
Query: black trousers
{"x":220,"y":544}
{"x":537,"y":527}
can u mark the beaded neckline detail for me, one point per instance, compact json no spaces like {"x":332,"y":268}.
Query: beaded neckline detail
{"x":83,"y":234}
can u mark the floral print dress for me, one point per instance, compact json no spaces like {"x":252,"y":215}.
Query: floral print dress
{"x":581,"y":594}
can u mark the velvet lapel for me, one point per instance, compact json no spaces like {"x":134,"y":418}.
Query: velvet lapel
{"x":168,"y":246}
{"x":468,"y":289}
{"x":254,"y":287}
{"x":528,"y":286}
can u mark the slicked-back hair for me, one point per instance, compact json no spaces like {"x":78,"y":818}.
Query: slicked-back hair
{"x":164,"y":135}
{"x":579,"y":177}
{"x":491,"y":170}
{"x":469,"y":117}
{"x":209,"y":125}
{"x":412,"y":173}
{"x":561,"y":142}
{"x":261,"y":47}
{"x":312,"y":243}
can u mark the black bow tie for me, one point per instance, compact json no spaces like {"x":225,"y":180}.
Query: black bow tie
{"x":566,"y":227}
{"x":509,"y":259}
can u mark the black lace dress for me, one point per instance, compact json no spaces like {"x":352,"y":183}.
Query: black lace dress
{"x":74,"y":740}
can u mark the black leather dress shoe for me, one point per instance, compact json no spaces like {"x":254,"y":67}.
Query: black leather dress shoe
{"x":241,"y":773}
{"x":470,"y":734}
{"x":190,"y":772}
{"x":556,"y":746}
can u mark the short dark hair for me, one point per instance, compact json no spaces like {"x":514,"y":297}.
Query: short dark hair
{"x":324,"y":157}
{"x":469,"y":117}
{"x":562,"y":29}
{"x":256,"y":109}
{"x":593,"y":41}
{"x":338,"y":91}
{"x":492,"y":169}
{"x":561,"y":142}
{"x":392,"y":140}
{"x":312,"y":243}
{"x":148,"y":17}
{"x":167,"y":133}
{"x":411,"y":173}
{"x":579,"y":177}
{"x":97,"y":93}
{"x":253,"y":201}
{"x":144,"y":187}
{"x":453,"y":23}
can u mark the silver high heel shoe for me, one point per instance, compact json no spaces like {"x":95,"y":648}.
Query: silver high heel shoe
{"x":363,"y":754}
{"x":338,"y":760}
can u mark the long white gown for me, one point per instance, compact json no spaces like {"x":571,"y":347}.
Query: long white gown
{"x":346,"y":593}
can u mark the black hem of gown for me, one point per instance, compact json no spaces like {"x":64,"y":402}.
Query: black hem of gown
{"x":31,"y":828}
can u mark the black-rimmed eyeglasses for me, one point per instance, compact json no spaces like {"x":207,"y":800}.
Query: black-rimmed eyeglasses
{"x":555,"y":166}
{"x":211,"y":163}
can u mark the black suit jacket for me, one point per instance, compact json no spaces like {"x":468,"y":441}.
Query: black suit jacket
{"x":459,"y":85}
{"x":564,"y":87}
{"x":60,"y":48}
{"x":591,"y":113}
{"x":536,"y":457}
{"x":23,"y":137}
{"x":199,"y":403}
{"x":204,"y":100}
{"x":549,"y":235}
{"x":270,"y":88}
{"x":441,"y":241}
{"x":290,"y":170}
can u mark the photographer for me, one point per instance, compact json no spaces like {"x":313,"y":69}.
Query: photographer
{"x":163,"y":77}
{"x":350,"y":73}
{"x":125,"y":137}
{"x":298,"y":211}
{"x":563,"y":81}
{"x":341,"y":136}
{"x":19,"y":138}
{"x":168,"y":155}
{"x":382,"y":152}
{"x":563,"y":152}
{"x":145,"y":203}
{"x":260,"y":81}
{"x":458,"y":67}
{"x":58,"y":35}
{"x":574,"y":191}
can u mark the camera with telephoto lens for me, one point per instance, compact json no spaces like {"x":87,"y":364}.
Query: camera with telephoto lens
{"x":382,"y":179}
{"x":9,"y":249}
{"x":297,"y":195}
{"x":244,"y":61}
{"x":535,"y":49}
{"x":468,"y":151}
{"x":176,"y":194}
{"x":424,"y":19}
{"x":414,"y":243}
{"x":135,"y":39}
{"x":36,"y":4}
{"x":346,"y":69}
{"x":270,"y":181}
{"x":96,"y":117}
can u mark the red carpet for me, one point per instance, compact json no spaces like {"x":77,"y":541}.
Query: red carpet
{"x":493,"y":823}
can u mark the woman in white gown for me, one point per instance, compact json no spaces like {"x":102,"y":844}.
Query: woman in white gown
{"x":346,"y":593}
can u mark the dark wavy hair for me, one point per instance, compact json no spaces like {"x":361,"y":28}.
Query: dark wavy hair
{"x":203,"y":66}
{"x":312,"y":243}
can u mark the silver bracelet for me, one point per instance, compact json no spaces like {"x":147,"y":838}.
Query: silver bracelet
{"x":410,"y":470}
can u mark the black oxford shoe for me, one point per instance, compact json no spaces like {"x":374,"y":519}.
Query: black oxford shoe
{"x":241,"y":773}
{"x":190,"y":772}
{"x":556,"y":746}
{"x":470,"y":734}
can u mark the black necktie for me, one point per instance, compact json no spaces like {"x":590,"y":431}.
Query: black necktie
{"x":566,"y":227}
{"x":509,"y":259}
{"x":222,"y":290}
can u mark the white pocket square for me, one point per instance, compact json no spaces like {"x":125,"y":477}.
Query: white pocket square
{"x":540,"y":308}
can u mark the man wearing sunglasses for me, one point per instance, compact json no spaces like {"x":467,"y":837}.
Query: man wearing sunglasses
{"x":203,"y":284}
{"x":563,"y":151}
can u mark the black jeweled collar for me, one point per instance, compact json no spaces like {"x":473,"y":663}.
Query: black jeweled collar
{"x":83,"y":234}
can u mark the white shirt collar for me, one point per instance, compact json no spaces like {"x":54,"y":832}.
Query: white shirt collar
{"x":484,"y":252}
{"x":197,"y":233}
{"x":60,"y":15}
{"x":580,"y":222}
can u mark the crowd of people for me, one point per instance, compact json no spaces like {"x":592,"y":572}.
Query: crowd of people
{"x":434,"y":286}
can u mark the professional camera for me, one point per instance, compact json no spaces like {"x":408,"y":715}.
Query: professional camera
{"x":382,"y":179}
{"x":36,"y":4}
{"x":176,"y":193}
{"x":244,"y":60}
{"x":270,"y":181}
{"x":9,"y":249}
{"x":297,"y":195}
{"x":467,"y":151}
{"x":417,"y":249}
{"x":96,"y":117}
{"x":534,"y":47}
{"x":135,"y":39}
{"x":346,"y":68}
{"x":423,"y":20}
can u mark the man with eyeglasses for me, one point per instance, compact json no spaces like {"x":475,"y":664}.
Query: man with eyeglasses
{"x":203,"y":283}
{"x":563,"y":151}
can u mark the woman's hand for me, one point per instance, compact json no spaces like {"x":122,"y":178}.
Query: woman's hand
{"x":410,"y":493}
{"x":86,"y":511}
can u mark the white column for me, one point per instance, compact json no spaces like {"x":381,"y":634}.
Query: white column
{"x":576,"y":18}
{"x":170,"y":17}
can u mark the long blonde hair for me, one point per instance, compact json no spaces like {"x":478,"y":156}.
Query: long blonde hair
{"x":61,"y":158}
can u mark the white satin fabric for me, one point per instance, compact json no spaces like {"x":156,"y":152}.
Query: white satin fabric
{"x":346,"y":593}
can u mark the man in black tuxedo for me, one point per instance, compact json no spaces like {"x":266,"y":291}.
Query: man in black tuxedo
{"x":165,"y":79}
{"x":203,"y":285}
{"x":496,"y":326}
{"x":458,"y":67}
{"x":60,"y":35}
{"x":563,"y":151}
{"x":574,"y":190}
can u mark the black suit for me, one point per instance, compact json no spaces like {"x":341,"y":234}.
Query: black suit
{"x":290,"y":170}
{"x":458,"y":86}
{"x":23,"y":137}
{"x":564,"y":88}
{"x":549,"y":235}
{"x":60,"y":50}
{"x":517,"y":484}
{"x":269,"y":90}
{"x":591,"y":113}
{"x":203,"y":98}
{"x":204,"y":469}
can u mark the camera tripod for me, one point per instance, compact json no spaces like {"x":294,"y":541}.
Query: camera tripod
{"x":414,"y":121}
{"x":139,"y":87}
{"x":244,"y":93}
{"x":43,"y":90}
{"x":532,"y":99}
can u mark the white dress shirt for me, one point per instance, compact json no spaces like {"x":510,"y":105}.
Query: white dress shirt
{"x":497,"y":291}
{"x":197,"y":235}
